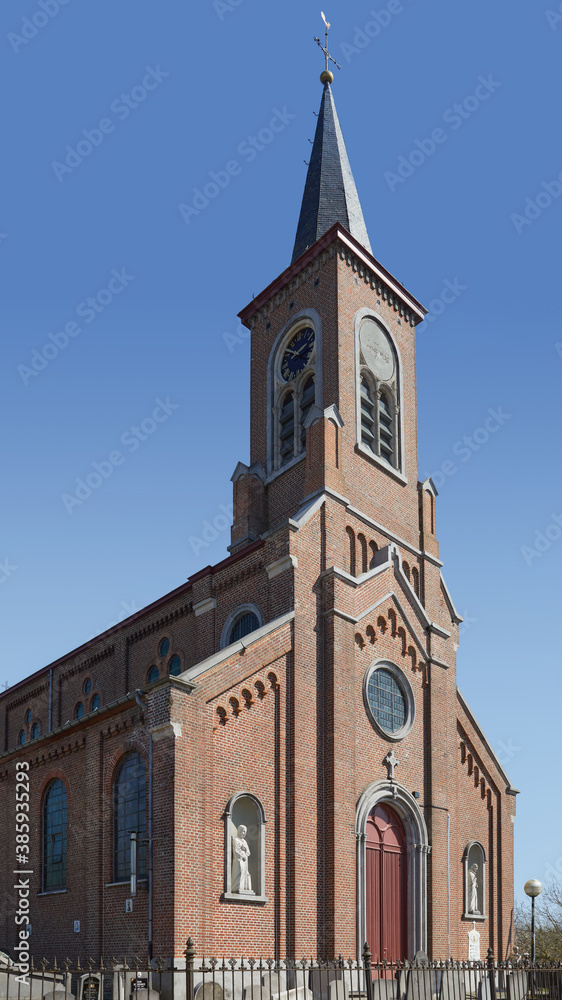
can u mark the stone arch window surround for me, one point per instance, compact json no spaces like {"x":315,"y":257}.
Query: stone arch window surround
{"x":399,"y":799}
{"x":276,"y":386}
{"x":239,"y":612}
{"x":245,"y":809}
{"x":394,"y":392}
{"x":474,"y":854}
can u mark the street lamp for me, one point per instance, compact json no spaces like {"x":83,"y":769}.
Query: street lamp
{"x":533,"y":888}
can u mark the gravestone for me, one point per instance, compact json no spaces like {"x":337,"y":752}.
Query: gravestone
{"x":90,"y":987}
{"x":453,"y":985}
{"x":209,"y":990}
{"x":473,"y":945}
{"x":301,"y":993}
{"x":385,"y":989}
{"x":421,"y":984}
{"x":517,"y":983}
{"x":338,"y":990}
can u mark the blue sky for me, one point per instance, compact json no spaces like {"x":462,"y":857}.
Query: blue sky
{"x":119,"y":113}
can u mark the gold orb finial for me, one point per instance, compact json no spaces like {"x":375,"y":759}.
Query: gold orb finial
{"x":327,"y":76}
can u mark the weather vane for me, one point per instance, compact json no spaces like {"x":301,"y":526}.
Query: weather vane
{"x":327,"y":76}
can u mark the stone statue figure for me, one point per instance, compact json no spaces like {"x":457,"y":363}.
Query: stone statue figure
{"x":473,"y":889}
{"x":241,"y":878}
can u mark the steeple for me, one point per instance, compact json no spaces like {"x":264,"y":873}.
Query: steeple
{"x":330,"y":194}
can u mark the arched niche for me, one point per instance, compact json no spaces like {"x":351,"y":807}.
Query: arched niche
{"x":246,"y":811}
{"x":474,"y":878}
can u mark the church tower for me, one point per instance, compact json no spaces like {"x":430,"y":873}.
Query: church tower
{"x":333,"y":480}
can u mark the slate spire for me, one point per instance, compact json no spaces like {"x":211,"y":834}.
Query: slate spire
{"x":330,"y":194}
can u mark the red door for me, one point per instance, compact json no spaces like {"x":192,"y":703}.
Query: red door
{"x":386,"y":885}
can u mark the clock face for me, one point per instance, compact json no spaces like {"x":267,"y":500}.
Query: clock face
{"x":297,"y":354}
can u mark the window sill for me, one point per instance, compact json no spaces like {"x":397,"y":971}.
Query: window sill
{"x":235,"y":897}
{"x":52,"y":892}
{"x":380,"y":463}
{"x":127,"y":883}
{"x":475,"y":916}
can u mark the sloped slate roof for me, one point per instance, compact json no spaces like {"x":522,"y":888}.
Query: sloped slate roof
{"x":330,"y":194}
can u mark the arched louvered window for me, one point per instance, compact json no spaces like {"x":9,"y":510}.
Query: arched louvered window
{"x":129,"y":816}
{"x":287,"y":429}
{"x":416,"y":580}
{"x":54,"y":836}
{"x":307,"y":400}
{"x":386,"y":435}
{"x":368,"y":414}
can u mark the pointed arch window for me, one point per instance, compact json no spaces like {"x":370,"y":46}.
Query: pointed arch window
{"x":378,"y":392}
{"x":287,"y":428}
{"x":293,"y":393}
{"x":54,"y":836}
{"x":368,"y":414}
{"x":307,"y":401}
{"x":129,"y":816}
{"x":386,"y":431}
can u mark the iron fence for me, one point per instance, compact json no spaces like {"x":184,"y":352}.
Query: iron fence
{"x":202,"y":978}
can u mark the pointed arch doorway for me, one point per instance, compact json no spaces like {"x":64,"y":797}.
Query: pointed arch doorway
{"x":386,"y":872}
{"x":402,"y":822}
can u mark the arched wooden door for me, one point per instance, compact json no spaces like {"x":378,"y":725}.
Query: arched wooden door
{"x":387,"y":891}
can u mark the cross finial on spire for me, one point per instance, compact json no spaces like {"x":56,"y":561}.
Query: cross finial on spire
{"x":327,"y":76}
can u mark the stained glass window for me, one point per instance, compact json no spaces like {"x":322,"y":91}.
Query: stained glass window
{"x":129,"y":816}
{"x":163,"y":647}
{"x":54,"y":836}
{"x":387,"y":701}
{"x":152,"y":675}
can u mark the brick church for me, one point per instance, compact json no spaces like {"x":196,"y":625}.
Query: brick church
{"x":282,"y":736}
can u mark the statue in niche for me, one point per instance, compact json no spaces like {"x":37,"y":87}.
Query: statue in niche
{"x":473,"y":889}
{"x":241,"y":878}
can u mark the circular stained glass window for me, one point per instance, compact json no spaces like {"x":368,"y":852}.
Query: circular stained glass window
{"x":390,"y":700}
{"x":79,"y":710}
{"x":163,"y":647}
{"x":87,"y":686}
{"x":174,"y":666}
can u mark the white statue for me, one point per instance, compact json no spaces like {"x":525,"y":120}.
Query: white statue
{"x":241,"y":878}
{"x":473,"y":889}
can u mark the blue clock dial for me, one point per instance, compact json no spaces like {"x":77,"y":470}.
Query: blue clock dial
{"x":297,"y":354}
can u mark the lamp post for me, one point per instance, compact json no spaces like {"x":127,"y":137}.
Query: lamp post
{"x":533,"y":888}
